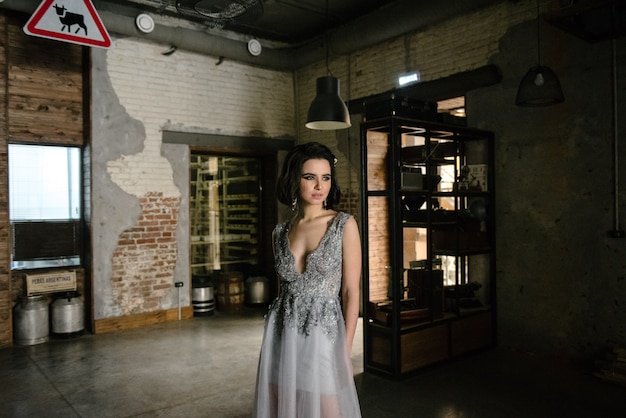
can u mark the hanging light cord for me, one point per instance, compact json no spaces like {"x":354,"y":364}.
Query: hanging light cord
{"x":326,"y":42}
{"x":327,"y":56}
{"x":538,"y":37}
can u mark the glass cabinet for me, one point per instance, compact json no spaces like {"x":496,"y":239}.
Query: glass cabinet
{"x":429,"y":269}
{"x":224,"y":213}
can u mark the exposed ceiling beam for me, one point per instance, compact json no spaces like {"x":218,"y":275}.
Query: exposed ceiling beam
{"x":388,"y":22}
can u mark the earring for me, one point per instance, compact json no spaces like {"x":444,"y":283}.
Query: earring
{"x":325,"y":204}
{"x":294,"y":204}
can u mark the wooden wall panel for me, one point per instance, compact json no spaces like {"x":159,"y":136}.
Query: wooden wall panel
{"x":471,"y":333}
{"x":140,"y":320}
{"x":44,"y":89}
{"x":41,"y":101}
{"x":6,"y":302}
{"x":425,"y":347}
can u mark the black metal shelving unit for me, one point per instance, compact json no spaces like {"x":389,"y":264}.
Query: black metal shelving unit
{"x":429,"y":243}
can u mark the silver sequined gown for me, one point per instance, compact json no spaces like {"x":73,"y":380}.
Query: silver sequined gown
{"x":304,"y":369}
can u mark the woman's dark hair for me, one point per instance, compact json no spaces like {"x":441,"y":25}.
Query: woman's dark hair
{"x":288,"y":186}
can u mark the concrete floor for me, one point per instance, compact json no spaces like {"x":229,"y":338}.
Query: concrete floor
{"x":206,"y":367}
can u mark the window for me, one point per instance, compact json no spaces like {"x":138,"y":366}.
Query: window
{"x":45,"y":206}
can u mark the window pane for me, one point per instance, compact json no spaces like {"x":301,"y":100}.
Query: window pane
{"x":44,"y":182}
{"x":44,"y":205}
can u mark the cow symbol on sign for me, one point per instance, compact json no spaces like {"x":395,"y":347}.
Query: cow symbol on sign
{"x":69,"y":19}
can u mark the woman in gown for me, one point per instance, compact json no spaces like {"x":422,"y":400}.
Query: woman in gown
{"x":304,"y":366}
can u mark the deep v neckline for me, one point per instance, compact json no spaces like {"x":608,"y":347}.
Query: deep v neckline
{"x":306,"y":257}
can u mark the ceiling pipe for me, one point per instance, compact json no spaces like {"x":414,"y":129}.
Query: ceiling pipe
{"x":121,"y":21}
{"x":454,"y":85}
{"x":386,"y":23}
{"x":200,"y":42}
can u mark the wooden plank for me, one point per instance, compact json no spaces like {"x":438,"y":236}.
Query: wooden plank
{"x":32,"y":50}
{"x":424,"y":347}
{"x":119,"y":323}
{"x":471,"y":333}
{"x":44,"y":85}
{"x":6,"y":295}
{"x":380,"y":350}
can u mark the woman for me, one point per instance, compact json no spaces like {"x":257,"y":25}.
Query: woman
{"x":304,"y":366}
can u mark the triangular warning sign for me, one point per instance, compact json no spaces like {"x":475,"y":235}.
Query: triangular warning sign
{"x":74,"y":21}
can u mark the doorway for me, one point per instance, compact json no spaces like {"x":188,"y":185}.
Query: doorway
{"x":233,"y":210}
{"x":266,"y":152}
{"x":225,"y":209}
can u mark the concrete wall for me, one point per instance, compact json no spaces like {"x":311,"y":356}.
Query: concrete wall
{"x":560,"y":278}
{"x":561,"y":283}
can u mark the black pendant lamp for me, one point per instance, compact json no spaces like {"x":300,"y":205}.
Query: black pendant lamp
{"x":328,"y":111}
{"x":540,"y":86}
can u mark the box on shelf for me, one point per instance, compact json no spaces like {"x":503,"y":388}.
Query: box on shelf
{"x":460,"y":240}
{"x":477,"y":177}
{"x":381,"y":312}
{"x":415,"y":180}
{"x":439,"y":150}
{"x":51,"y":282}
{"x":423,"y":264}
{"x":426,"y":287}
{"x":466,"y":235}
{"x":411,"y":179}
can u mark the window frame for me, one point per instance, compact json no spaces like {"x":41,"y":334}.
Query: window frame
{"x":60,"y":240}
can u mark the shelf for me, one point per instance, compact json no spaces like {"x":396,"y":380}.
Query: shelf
{"x":463,"y":252}
{"x":407,"y":327}
{"x":253,"y":179}
{"x":429,"y":204}
{"x":247,"y":198}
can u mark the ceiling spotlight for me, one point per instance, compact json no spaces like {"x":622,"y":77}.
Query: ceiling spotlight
{"x":144,"y":23}
{"x":254,"y":47}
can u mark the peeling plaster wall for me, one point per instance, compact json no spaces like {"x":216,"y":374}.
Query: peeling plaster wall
{"x":138,"y":92}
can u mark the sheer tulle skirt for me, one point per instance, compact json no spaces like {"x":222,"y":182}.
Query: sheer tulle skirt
{"x":304,"y":376}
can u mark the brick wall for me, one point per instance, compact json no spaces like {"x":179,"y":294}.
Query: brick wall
{"x":443,"y":49}
{"x":145,"y":257}
{"x":460,"y":44}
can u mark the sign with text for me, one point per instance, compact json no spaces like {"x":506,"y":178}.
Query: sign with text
{"x":60,"y":281}
{"x":74,"y":21}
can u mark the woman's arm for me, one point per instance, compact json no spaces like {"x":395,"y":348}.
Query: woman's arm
{"x":351,"y":279}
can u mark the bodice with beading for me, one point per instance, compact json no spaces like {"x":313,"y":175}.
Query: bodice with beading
{"x":310,"y":298}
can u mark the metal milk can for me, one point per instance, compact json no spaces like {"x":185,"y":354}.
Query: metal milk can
{"x":31,"y":320}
